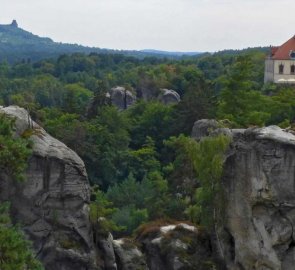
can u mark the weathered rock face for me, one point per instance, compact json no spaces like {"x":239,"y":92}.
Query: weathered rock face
{"x":259,"y":219}
{"x":106,"y":247}
{"x":52,"y":204}
{"x":203,"y":128}
{"x":121,"y":98}
{"x":259,"y":182}
{"x":129,"y":257}
{"x":177,"y":247}
{"x":259,"y":186}
{"x":168,"y":96}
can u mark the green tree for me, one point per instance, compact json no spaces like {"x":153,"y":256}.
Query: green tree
{"x":143,"y":161}
{"x":238,"y":101}
{"x":15,"y":251}
{"x":47,"y":90}
{"x":235,"y":85}
{"x":180,"y":170}
{"x":67,"y":127}
{"x":151,"y":119}
{"x":76,"y":98}
{"x":130,"y":218}
{"x":128,"y":192}
{"x":106,"y":152}
{"x":14,"y":152}
{"x":101,"y":211}
{"x":198,"y":102}
{"x":282,"y":107}
{"x":208,"y":157}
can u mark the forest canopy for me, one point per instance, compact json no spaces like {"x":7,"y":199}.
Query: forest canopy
{"x":138,"y":159}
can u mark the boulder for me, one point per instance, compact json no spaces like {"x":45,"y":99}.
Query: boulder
{"x":203,"y":128}
{"x":168,"y":96}
{"x":121,"y":98}
{"x":52,"y":204}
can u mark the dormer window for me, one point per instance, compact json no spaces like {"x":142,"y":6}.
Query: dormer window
{"x":281,"y":69}
{"x":292,"y":54}
{"x":292,"y":69}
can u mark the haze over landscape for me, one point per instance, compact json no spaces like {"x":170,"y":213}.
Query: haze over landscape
{"x":174,"y":25}
{"x":147,"y":135}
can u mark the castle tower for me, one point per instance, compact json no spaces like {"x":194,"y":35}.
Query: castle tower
{"x":14,"y":23}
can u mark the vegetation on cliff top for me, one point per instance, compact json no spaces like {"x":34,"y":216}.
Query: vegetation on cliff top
{"x":14,"y":151}
{"x":15,"y":250}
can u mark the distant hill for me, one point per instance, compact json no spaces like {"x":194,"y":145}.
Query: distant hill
{"x":17,"y":44}
{"x":151,"y":51}
{"x":243,"y":51}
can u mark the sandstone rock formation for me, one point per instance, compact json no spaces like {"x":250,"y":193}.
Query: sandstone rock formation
{"x":203,"y":128}
{"x":259,"y":177}
{"x":258,"y":181}
{"x":259,"y":208}
{"x":129,"y":256}
{"x":168,"y":96}
{"x":121,"y":98}
{"x":52,"y":204}
{"x":176,"y":247}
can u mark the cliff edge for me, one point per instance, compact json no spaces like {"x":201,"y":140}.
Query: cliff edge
{"x":52,"y":204}
{"x":259,"y":190}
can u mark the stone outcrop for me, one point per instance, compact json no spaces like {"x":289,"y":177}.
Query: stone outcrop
{"x":259,"y":177}
{"x":105,"y":245}
{"x":203,"y":128}
{"x":168,"y":96}
{"x":258,"y":220}
{"x":52,"y":204}
{"x":129,"y":256}
{"x":259,"y":191}
{"x":176,"y":247}
{"x":121,"y":97}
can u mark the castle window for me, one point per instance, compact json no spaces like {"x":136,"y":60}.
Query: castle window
{"x":281,"y":69}
{"x":292,"y":69}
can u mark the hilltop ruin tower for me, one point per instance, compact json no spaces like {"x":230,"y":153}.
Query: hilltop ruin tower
{"x":14,"y":23}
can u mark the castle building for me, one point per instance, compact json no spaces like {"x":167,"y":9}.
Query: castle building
{"x":14,"y":23}
{"x":280,"y":64}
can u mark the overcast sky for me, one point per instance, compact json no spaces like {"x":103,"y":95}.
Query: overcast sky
{"x":174,"y":25}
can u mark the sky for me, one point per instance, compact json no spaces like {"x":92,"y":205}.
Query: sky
{"x":171,"y":25}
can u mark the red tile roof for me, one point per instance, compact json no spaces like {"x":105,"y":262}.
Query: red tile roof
{"x":283,"y":52}
{"x":274,"y":50}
